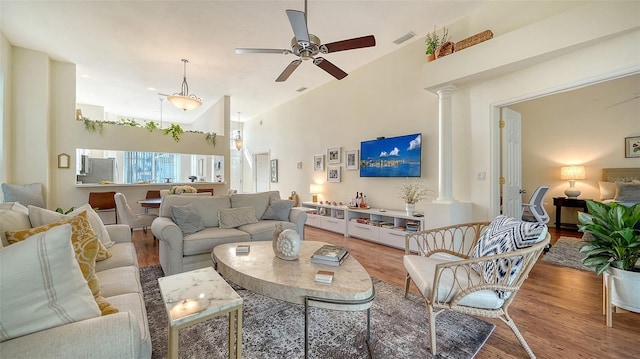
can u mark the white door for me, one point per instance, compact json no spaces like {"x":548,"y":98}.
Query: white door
{"x":511,"y":163}
{"x":262,"y":172}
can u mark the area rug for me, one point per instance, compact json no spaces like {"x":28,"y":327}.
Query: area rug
{"x":565,"y":252}
{"x":275,"y":329}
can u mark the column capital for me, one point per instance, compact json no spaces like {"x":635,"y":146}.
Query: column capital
{"x":446,"y":89}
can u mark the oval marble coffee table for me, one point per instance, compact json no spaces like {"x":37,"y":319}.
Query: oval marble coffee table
{"x":262,"y":272}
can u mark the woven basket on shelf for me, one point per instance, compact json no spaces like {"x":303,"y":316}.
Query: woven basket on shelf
{"x":444,"y":50}
{"x":473,"y":40}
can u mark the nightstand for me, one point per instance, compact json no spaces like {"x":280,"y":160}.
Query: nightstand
{"x":560,"y":202}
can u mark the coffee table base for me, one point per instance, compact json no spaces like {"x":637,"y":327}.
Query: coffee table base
{"x":307,"y":305}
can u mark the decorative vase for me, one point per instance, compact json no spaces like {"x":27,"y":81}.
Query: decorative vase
{"x":431,"y":57}
{"x":410,"y":208}
{"x":286,"y":243}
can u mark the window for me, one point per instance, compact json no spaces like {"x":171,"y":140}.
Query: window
{"x":150,"y":167}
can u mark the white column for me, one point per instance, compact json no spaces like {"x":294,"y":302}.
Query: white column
{"x":445,"y":158}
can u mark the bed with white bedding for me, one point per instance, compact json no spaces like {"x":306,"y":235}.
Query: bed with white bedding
{"x":621,"y":185}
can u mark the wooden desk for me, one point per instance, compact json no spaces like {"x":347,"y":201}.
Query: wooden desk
{"x":560,"y":202}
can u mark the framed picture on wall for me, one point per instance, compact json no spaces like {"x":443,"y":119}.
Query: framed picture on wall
{"x":318,"y":163}
{"x":334,"y":155}
{"x":632,"y":147}
{"x":333,"y":173}
{"x":274,"y":171}
{"x":351,"y":160}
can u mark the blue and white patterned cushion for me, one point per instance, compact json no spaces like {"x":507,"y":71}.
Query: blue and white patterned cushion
{"x":505,"y":234}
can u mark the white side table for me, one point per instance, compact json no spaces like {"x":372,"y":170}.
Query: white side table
{"x":195,"y":296}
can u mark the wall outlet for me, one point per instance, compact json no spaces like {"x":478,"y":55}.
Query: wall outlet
{"x":481,"y":176}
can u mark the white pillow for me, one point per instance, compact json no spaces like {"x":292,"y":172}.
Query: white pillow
{"x":41,"y":285}
{"x":24,"y":193}
{"x":13,"y":217}
{"x":41,"y":216}
{"x":627,"y":192}
{"x":607,"y":190}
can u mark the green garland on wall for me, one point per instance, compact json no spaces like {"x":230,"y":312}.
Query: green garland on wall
{"x":174,"y":130}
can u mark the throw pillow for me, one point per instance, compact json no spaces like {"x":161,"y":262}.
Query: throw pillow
{"x":85,"y":244}
{"x":27,"y":194}
{"x":41,"y":216}
{"x":505,"y":234}
{"x":236,"y":217}
{"x":41,"y":285}
{"x":13,"y":216}
{"x":278,"y":209}
{"x":607,"y":190}
{"x":187,"y":219}
{"x":627,"y":192}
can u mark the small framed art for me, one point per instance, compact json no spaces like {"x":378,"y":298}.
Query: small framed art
{"x":333,"y":173}
{"x":351,"y":160}
{"x":63,"y":160}
{"x":274,"y":171}
{"x":632,"y":147}
{"x":334,"y":155}
{"x":318,"y":163}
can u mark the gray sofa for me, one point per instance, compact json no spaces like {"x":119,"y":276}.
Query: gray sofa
{"x":121,"y":335}
{"x":180,"y":253}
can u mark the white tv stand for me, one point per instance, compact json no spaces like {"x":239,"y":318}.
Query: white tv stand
{"x":384,"y":227}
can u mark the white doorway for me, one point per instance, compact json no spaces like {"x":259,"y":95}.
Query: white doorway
{"x":261,"y":165}
{"x":511,"y":163}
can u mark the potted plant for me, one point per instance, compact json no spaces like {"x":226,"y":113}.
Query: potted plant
{"x":412,"y":193}
{"x":433,"y":42}
{"x":614,"y":250}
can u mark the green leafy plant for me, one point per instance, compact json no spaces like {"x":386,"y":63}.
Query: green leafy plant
{"x":92,"y":126}
{"x":129,"y":122}
{"x":60,"y":210}
{"x":413,"y":192}
{"x":616,"y":240}
{"x":152,"y":126}
{"x":433,"y":41}
{"x":211,"y":138}
{"x":175,"y":130}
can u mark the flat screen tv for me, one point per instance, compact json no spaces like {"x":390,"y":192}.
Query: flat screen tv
{"x":391,"y":157}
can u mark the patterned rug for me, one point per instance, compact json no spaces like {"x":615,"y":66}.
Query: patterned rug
{"x":565,"y":253}
{"x":275,"y":329}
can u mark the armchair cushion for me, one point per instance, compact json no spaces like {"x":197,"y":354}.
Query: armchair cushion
{"x":41,"y":285}
{"x":236,"y":217}
{"x":187,"y":219}
{"x":278,"y":209}
{"x":505,"y":234}
{"x":27,"y":194}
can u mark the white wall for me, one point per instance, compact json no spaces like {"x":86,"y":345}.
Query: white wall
{"x":385,"y":98}
{"x":6,"y":95}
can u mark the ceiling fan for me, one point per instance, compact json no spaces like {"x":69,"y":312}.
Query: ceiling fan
{"x":307,"y":46}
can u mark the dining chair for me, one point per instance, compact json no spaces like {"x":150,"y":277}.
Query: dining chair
{"x":104,"y":202}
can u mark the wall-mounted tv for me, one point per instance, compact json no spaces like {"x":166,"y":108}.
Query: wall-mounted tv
{"x":391,"y":157}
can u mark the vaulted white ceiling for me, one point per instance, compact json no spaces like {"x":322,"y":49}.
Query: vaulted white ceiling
{"x":127,"y":52}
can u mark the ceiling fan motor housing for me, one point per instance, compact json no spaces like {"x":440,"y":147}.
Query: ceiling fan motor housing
{"x":306,"y":51}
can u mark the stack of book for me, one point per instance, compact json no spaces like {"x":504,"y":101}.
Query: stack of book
{"x":413,"y":226}
{"x":330,"y":255}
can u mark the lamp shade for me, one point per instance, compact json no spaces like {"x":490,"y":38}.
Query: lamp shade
{"x":572,"y":173}
{"x":185,"y":103}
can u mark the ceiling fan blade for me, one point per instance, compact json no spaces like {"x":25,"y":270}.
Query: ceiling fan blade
{"x":299,"y":26}
{"x":332,"y":69}
{"x":289,"y":70}
{"x":621,"y":102}
{"x":350,"y":44}
{"x":262,"y":51}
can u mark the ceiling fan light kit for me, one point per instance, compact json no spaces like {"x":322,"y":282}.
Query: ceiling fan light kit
{"x":183,"y":100}
{"x":307,"y":46}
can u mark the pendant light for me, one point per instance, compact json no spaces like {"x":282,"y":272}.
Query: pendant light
{"x":238,"y":139}
{"x":182,"y":99}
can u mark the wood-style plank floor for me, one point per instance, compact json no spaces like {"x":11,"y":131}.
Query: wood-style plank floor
{"x":558,"y":310}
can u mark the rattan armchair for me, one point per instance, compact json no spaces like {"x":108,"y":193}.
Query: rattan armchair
{"x":440,"y":264}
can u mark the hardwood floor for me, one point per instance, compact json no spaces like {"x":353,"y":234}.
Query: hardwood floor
{"x":558,"y":310}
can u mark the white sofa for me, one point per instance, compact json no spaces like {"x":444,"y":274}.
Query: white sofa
{"x":180,"y":253}
{"x":120,"y":335}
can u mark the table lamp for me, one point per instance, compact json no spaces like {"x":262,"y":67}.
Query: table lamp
{"x":572,"y":173}
{"x":314,"y":189}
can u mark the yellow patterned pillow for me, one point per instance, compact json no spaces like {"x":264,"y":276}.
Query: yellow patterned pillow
{"x":85,"y":244}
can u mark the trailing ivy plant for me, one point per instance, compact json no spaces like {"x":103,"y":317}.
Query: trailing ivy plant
{"x":211,"y":138}
{"x":92,"y":126}
{"x":129,"y":122}
{"x":175,"y":130}
{"x":151,"y":126}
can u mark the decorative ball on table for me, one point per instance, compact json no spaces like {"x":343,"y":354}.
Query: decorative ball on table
{"x":286,"y":243}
